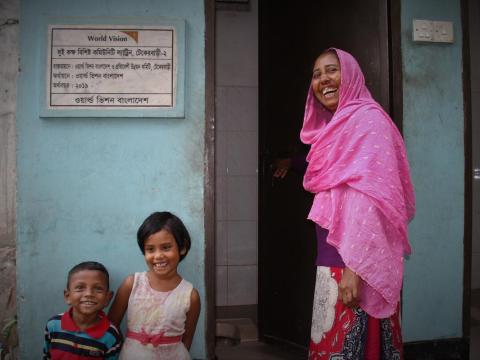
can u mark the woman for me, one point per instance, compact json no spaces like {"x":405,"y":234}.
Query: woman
{"x":358,"y":171}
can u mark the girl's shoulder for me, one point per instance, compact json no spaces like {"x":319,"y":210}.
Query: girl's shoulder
{"x":184,"y":289}
{"x":127,"y":283}
{"x":139,"y":279}
{"x":184,"y":286}
{"x":138,"y":275}
{"x":132,"y":281}
{"x":194,"y":295}
{"x":188,"y":293}
{"x":185,"y":282}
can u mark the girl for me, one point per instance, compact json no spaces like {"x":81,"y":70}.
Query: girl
{"x":163,"y":308}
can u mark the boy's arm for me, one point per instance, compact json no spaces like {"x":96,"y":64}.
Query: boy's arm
{"x":114,"y":351}
{"x":192,"y":318}
{"x":120,"y":304}
{"x":46,"y":345}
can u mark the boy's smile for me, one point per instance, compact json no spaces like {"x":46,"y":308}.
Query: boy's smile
{"x":87,"y":294}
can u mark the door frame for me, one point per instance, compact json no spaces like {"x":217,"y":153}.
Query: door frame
{"x":395,"y":54}
{"x":468,"y":204}
{"x":209,"y":180}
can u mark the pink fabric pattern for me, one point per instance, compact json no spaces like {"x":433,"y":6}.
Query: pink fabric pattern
{"x":155,"y":340}
{"x":359,"y":173}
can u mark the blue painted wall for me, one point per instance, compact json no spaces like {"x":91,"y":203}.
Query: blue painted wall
{"x":85,"y":185}
{"x":434,"y":130}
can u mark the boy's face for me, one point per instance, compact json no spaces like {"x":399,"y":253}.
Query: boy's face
{"x":87,"y":292}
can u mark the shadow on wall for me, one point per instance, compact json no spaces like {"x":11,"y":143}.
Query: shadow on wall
{"x":9,"y":340}
{"x":8,"y":320}
{"x":9,"y":28}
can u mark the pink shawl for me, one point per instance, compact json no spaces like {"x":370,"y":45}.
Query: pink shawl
{"x":359,"y":173}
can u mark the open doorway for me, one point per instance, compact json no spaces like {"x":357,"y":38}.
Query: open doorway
{"x":265,"y":249}
{"x":291,"y":37}
{"x":236,"y":88}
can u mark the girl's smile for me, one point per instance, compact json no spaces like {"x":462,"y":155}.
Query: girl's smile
{"x":162,"y":255}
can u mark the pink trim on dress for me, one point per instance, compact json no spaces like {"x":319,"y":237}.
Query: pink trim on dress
{"x":155,"y":340}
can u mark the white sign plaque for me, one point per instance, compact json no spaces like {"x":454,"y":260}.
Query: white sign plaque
{"x":106,"y":67}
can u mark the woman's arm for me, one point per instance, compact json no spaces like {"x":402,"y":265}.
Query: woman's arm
{"x":192,"y":318}
{"x":282,"y":166}
{"x":120,"y":304}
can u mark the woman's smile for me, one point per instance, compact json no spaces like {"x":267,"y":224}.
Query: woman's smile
{"x":328,"y":92}
{"x":326,"y":80}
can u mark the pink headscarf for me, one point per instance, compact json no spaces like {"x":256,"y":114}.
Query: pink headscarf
{"x":359,"y":173}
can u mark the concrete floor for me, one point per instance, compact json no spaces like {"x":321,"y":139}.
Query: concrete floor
{"x":256,"y":350}
{"x":475,"y":325}
{"x":239,"y":341}
{"x":260,"y":351}
{"x":252,"y":349}
{"x":475,"y":342}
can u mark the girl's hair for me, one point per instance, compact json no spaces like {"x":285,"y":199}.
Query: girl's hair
{"x":164,"y":220}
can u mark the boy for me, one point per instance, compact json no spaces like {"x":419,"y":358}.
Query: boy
{"x":84,"y":332}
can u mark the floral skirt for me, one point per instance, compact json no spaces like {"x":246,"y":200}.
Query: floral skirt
{"x":340,"y":333}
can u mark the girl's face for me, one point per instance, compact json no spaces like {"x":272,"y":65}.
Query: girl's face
{"x":326,"y":80}
{"x":162,"y":254}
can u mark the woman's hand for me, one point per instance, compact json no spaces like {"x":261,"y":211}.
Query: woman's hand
{"x":349,"y":289}
{"x":282,"y":166}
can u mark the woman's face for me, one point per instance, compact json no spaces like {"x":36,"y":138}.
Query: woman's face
{"x":326,"y":80}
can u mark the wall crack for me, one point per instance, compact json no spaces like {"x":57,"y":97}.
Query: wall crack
{"x":10,"y":22}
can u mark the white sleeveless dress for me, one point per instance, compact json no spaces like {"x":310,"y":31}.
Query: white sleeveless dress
{"x":151,"y":312}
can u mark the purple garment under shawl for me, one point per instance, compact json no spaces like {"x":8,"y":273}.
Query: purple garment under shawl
{"x":327,"y":255}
